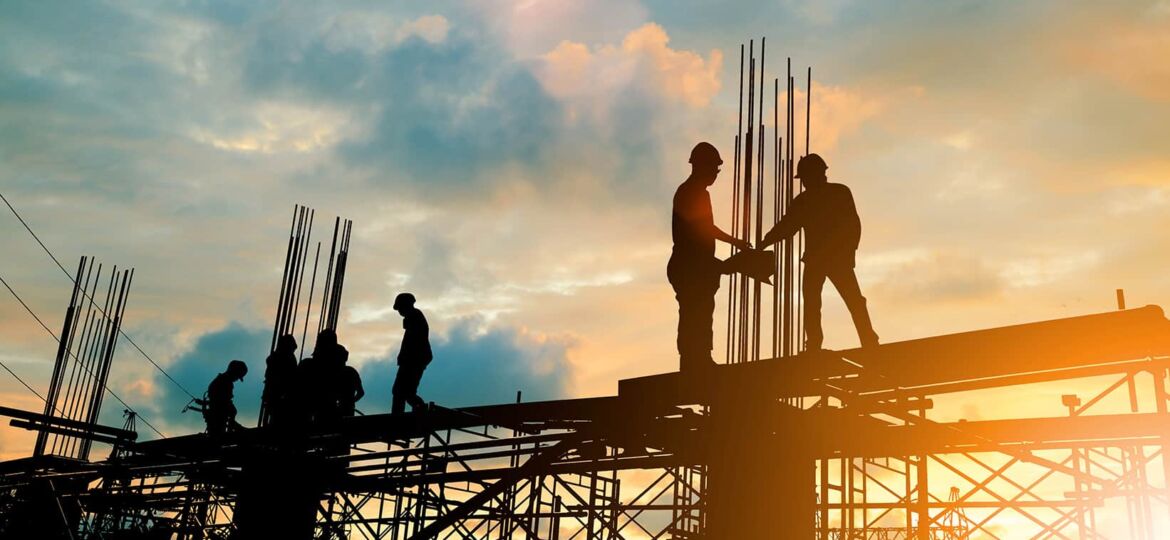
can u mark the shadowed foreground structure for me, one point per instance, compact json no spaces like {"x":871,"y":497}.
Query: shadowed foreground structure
{"x":837,"y":445}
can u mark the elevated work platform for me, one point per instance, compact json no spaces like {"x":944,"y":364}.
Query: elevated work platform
{"x":1048,"y":350}
{"x":753,"y":456}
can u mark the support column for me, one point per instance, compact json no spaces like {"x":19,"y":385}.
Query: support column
{"x":762,"y":474}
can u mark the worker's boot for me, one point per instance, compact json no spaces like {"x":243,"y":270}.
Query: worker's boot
{"x":860,"y":315}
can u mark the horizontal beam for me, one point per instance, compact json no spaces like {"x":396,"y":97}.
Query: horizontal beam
{"x":1113,"y":342}
{"x":97,"y":437}
{"x":47,"y":420}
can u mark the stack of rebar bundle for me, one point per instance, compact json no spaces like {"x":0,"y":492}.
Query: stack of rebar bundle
{"x":293,"y":280}
{"x":754,"y":193}
{"x":86,"y":347}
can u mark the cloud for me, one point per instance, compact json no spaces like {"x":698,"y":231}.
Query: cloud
{"x":373,"y":31}
{"x":589,"y":80}
{"x":529,"y":28}
{"x":475,"y":366}
{"x":445,"y":116}
{"x":931,"y":278}
{"x":1130,"y":50}
{"x":837,"y":111}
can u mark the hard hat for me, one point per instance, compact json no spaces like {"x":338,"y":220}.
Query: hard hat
{"x":811,"y":163}
{"x":704,"y":153}
{"x":237,"y":366}
{"x":327,"y":337}
{"x":287,"y":341}
{"x":403,"y":300}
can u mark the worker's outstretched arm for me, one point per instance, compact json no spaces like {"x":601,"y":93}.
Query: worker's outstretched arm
{"x":722,"y":236}
{"x":785,"y":229}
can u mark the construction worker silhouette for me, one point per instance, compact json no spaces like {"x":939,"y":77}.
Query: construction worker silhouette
{"x":413,"y":356}
{"x":832,"y":231}
{"x":220,"y":411}
{"x":279,"y":380}
{"x":314,"y":395}
{"x":347,"y":384}
{"x":694,"y":271}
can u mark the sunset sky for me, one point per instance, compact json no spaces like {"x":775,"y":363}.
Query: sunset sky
{"x":512,"y":165}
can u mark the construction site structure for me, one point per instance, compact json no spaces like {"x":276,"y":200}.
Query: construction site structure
{"x":668,"y":457}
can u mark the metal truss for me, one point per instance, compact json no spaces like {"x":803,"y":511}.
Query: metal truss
{"x":647,"y":464}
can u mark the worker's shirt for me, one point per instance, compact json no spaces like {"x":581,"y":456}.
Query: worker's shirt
{"x":832,"y":229}
{"x":279,"y":375}
{"x":219,"y":393}
{"x":416,"y":344}
{"x":692,"y":224}
{"x":349,"y":387}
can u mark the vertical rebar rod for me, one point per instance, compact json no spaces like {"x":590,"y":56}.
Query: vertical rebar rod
{"x":756,"y":285}
{"x":301,"y":272}
{"x":808,"y":112}
{"x":776,"y":194}
{"x":283,"y":283}
{"x":793,"y":163}
{"x":799,"y":264}
{"x":733,"y":281}
{"x":746,"y":212}
{"x":309,"y":302}
{"x":326,"y":289}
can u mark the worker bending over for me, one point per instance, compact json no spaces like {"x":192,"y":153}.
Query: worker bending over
{"x":219,"y":410}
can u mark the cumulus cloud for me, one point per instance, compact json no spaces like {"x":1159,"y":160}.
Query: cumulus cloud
{"x":475,"y":365}
{"x":838,"y":111}
{"x":574,"y":72}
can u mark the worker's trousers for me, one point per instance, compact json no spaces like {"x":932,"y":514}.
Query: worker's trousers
{"x":695,"y":284}
{"x":406,"y":388}
{"x":845,"y":280}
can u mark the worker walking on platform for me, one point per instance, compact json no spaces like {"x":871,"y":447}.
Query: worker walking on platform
{"x":413,"y":356}
{"x":220,"y":411}
{"x":694,"y":271}
{"x":832,"y":229}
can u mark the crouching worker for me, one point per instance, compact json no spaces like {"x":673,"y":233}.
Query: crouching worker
{"x":413,"y":357}
{"x":219,"y":410}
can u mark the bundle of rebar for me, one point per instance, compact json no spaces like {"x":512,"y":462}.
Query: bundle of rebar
{"x":296,"y":258}
{"x":752,"y":195}
{"x":89,"y":337}
{"x":335,"y":275}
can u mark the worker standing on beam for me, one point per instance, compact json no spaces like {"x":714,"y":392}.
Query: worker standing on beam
{"x":280,"y":380}
{"x":694,"y":271}
{"x":347,"y":383}
{"x":832,"y":229}
{"x":220,"y":410}
{"x":413,"y":357}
